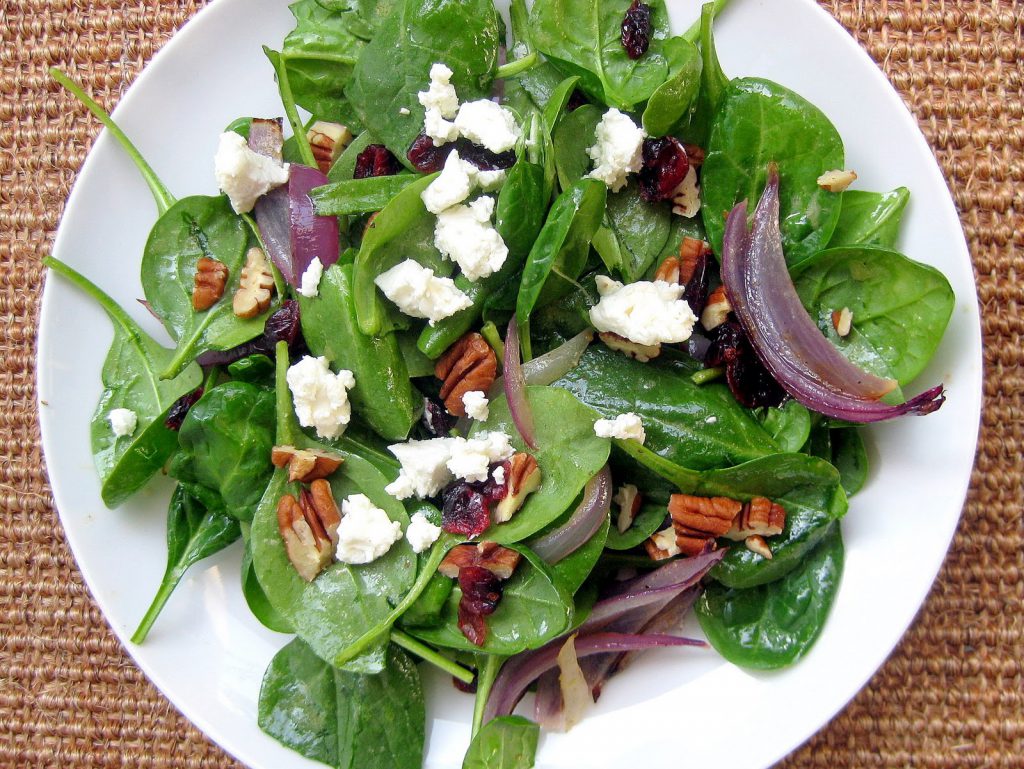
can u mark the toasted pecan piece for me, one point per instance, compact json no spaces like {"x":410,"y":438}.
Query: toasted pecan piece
{"x":522,"y":478}
{"x":469,"y":364}
{"x":255,"y":286}
{"x":500,"y":561}
{"x":305,"y":465}
{"x":760,"y":516}
{"x":210,"y":280}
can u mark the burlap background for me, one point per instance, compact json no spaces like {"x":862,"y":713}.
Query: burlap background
{"x":951,"y":696}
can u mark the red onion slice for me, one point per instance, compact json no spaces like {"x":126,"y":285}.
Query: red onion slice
{"x":582,"y":524}
{"x":312,"y":236}
{"x":551,"y":366}
{"x":809,"y":367}
{"x":515,"y":386}
{"x":271,"y":212}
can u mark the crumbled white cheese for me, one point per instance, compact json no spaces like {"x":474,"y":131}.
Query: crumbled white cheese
{"x":625,"y":427}
{"x":488,"y":124}
{"x":310,"y":283}
{"x":441,"y":131}
{"x":365,"y":532}
{"x":472,"y":457}
{"x":644,"y":312}
{"x":489,"y":181}
{"x":441,"y":104}
{"x":452,"y":185}
{"x":421,"y":533}
{"x":424,"y":468}
{"x":465,"y":235}
{"x":321,"y":396}
{"x":498,"y":474}
{"x":123,"y":421}
{"x":404,"y":111}
{"x":245,"y":175}
{"x":419,"y":293}
{"x":476,"y":404}
{"x":617,"y":150}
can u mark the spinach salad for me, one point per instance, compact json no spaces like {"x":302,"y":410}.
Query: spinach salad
{"x":488,"y":366}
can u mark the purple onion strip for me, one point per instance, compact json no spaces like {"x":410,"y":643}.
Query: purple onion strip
{"x":582,"y":524}
{"x":515,"y":387}
{"x":312,"y":236}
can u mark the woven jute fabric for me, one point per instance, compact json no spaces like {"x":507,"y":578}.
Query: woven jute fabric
{"x":952,"y":695}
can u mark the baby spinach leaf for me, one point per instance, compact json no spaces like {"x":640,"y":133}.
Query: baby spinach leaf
{"x":692,"y":426}
{"x":358,"y":196}
{"x":225,"y":441}
{"x":256,"y":599}
{"x":900,"y":307}
{"x":761,"y":122}
{"x":344,"y":167}
{"x":395,"y":65}
{"x":774,"y":625}
{"x":194,"y":532}
{"x":569,"y":455}
{"x":363,"y":17}
{"x":584,"y":38}
{"x":508,"y":742}
{"x":383,"y":395}
{"x":870,"y":218}
{"x":671,"y":101}
{"x":131,"y":380}
{"x":531,"y":89}
{"x":844,"y":448}
{"x":521,"y":206}
{"x":345,"y":720}
{"x":647,"y":521}
{"x":789,"y":425}
{"x":573,"y":570}
{"x":257,"y":369}
{"x":558,"y":100}
{"x":195,"y":227}
{"x":426,"y":611}
{"x":573,"y":135}
{"x":713,"y":81}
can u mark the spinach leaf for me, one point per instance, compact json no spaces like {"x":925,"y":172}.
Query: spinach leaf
{"x":870,"y":218}
{"x":569,"y":454}
{"x":692,"y":426}
{"x":131,"y":380}
{"x":573,"y":570}
{"x":531,"y":89}
{"x":558,"y":100}
{"x":520,"y":208}
{"x":341,"y":719}
{"x":256,"y":598}
{"x":534,"y":608}
{"x":573,"y":135}
{"x":844,"y":448}
{"x":363,"y":17}
{"x":395,"y":65}
{"x":257,"y":369}
{"x":774,"y":625}
{"x":194,"y":532}
{"x":585,"y":39}
{"x":358,"y":196}
{"x":508,"y":742}
{"x":195,"y":227}
{"x":900,"y":307}
{"x":225,"y":441}
{"x":713,"y":81}
{"x":760,"y":122}
{"x":789,"y":425}
{"x":647,"y":521}
{"x":344,"y":167}
{"x":671,"y":101}
{"x":383,"y":395}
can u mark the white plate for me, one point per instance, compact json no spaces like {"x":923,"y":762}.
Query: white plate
{"x":208,"y":654}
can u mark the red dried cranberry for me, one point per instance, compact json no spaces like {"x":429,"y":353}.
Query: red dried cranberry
{"x":576,"y":100}
{"x":749,"y":381}
{"x":481,"y":593}
{"x":492,"y":490}
{"x":180,"y":407}
{"x":465,"y":510}
{"x":436,"y":418}
{"x":696,"y":291}
{"x":483,"y":158}
{"x":462,"y":686}
{"x":375,"y":160}
{"x":665,"y":167}
{"x":283,"y":325}
{"x":636,"y":29}
{"x":427,"y":158}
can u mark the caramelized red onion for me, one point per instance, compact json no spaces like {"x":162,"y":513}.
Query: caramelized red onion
{"x":582,"y":524}
{"x":515,"y":386}
{"x":807,"y":365}
{"x":312,"y":236}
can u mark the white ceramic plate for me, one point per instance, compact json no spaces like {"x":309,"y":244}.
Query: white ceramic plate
{"x":208,"y":654}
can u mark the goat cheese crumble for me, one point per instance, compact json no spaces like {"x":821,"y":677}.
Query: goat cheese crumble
{"x":441,"y":104}
{"x":428,"y":466}
{"x":310,"y":283}
{"x":617,"y":149}
{"x":476,"y":404}
{"x":365,"y":532}
{"x":471,"y":458}
{"x":122,"y":422}
{"x":245,"y":175}
{"x":465,"y":235}
{"x":625,"y":427}
{"x":321,"y":396}
{"x":644,"y":312}
{"x":451,"y":186}
{"x":419,"y":293}
{"x":488,"y":124}
{"x":421,"y":533}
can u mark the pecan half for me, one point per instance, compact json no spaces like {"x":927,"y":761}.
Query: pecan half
{"x":309,"y":527}
{"x":710,"y":515}
{"x":500,"y":561}
{"x":640,"y":352}
{"x":327,"y":140}
{"x":716,"y":311}
{"x":255,"y":286}
{"x":628,"y":499}
{"x":469,"y":364}
{"x":211,"y":278}
{"x":305,"y":465}
{"x":522,"y":478}
{"x":759,"y":516}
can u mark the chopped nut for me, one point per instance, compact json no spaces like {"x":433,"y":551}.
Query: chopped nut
{"x":756,"y":544}
{"x":306,"y":540}
{"x":628,"y":499}
{"x":321,"y":499}
{"x":691,"y":542}
{"x":717,"y":310}
{"x":522,"y":477}
{"x":500,"y":561}
{"x":668,"y":271}
{"x":272,"y":138}
{"x":305,"y":465}
{"x":327,"y":140}
{"x":469,"y":364}
{"x":662,"y":545}
{"x":706,"y":515}
{"x":837,"y":180}
{"x":640,"y":352}
{"x":211,"y":277}
{"x":255,"y":287}
{"x":759,"y":516}
{"x":686,"y":197}
{"x":842,"y":321}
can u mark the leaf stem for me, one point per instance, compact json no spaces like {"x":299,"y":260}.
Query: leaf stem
{"x":298,"y":129}
{"x":490,"y":332}
{"x":517,"y":67}
{"x":432,"y":656}
{"x":170,"y":581}
{"x":164,"y":199}
{"x":694,"y":31}
{"x":706,"y":375}
{"x":288,"y":433}
{"x":485,"y":682}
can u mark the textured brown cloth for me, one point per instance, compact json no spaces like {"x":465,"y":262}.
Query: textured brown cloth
{"x":952,"y":695}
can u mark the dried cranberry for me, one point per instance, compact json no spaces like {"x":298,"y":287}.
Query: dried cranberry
{"x":481,"y":593}
{"x":483,"y":158}
{"x":283,"y":325}
{"x":375,"y":160}
{"x":427,"y":158}
{"x":636,"y":29}
{"x":696,"y":291}
{"x":180,"y":407}
{"x":665,"y":167}
{"x":576,"y":100}
{"x":462,"y":686}
{"x":436,"y":418}
{"x":465,"y":510}
{"x":749,"y":381}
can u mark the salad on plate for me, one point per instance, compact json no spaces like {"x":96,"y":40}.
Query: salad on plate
{"x":505,"y":348}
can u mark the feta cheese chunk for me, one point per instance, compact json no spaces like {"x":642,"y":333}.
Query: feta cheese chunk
{"x":644,"y":312}
{"x":419,"y":293}
{"x":488,"y":124}
{"x":321,"y":396}
{"x":471,"y":458}
{"x":122,"y":422}
{"x":617,"y":150}
{"x":245,"y":175}
{"x":476,"y":404}
{"x":465,"y":235}
{"x":624,"y":427}
{"x":424,"y":468}
{"x":441,"y":104}
{"x":452,"y":185}
{"x":421,"y":533}
{"x":310,"y":284}
{"x":441,"y":131}
{"x":365,"y":532}
{"x":490,"y":181}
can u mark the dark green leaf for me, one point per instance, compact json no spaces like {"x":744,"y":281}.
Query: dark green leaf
{"x":870,"y":218}
{"x":256,"y":599}
{"x":647,"y":522}
{"x":358,"y":196}
{"x":573,"y":570}
{"x":671,"y":101}
{"x":509,"y":742}
{"x":713,"y":82}
{"x":789,"y":425}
